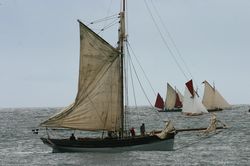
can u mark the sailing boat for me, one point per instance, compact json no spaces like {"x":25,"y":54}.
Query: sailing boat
{"x":212,"y":99}
{"x":174,"y":98}
{"x":173,"y":101}
{"x":99,"y":104}
{"x":191,"y":104}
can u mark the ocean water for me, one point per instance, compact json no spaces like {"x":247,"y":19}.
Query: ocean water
{"x":18,"y":146}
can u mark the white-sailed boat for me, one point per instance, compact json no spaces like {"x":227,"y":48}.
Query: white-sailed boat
{"x":191,"y":103}
{"x":174,"y":99}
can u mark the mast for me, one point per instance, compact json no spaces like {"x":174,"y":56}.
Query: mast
{"x":121,"y":48}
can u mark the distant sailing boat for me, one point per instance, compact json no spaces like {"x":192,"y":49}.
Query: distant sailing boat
{"x":212,"y":99}
{"x":173,"y":101}
{"x":191,"y":103}
{"x":99,"y":104}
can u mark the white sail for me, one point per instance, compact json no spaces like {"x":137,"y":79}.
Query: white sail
{"x":212,"y":99}
{"x":170,"y":97}
{"x":191,"y":103}
{"x":98,"y":102}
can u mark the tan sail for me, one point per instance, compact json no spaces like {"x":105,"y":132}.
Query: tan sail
{"x":212,"y":99}
{"x":98,"y":102}
{"x":170,"y":97}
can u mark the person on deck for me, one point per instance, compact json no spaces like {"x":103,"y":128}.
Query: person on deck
{"x":132,"y":131}
{"x":72,"y":137}
{"x":142,"y":129}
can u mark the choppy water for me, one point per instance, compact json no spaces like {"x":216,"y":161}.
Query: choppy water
{"x":18,"y":146}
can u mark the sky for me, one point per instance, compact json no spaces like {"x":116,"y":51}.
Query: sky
{"x":39,"y":47}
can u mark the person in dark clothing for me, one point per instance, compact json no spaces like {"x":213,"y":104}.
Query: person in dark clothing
{"x":109,"y":134}
{"x":72,"y":137}
{"x":132,"y":131}
{"x":142,"y":129}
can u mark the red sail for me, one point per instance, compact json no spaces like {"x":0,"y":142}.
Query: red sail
{"x":190,"y":87}
{"x":159,"y":103}
{"x":178,"y":103}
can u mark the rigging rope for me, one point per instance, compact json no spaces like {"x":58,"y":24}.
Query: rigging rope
{"x":164,"y":41}
{"x":174,"y":44}
{"x":132,"y":81}
{"x":142,"y":69}
{"x":109,"y":25}
{"x":140,"y":82}
{"x":105,"y":26}
{"x":108,"y":11}
{"x":171,"y":39}
{"x":104,"y":19}
{"x":144,"y":92}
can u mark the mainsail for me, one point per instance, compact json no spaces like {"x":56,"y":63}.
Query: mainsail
{"x":98,"y":102}
{"x":173,"y":98}
{"x":191,"y":103}
{"x":212,"y":99}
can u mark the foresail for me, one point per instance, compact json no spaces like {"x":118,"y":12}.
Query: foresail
{"x":178,"y":103}
{"x":220,"y":102}
{"x":98,"y":102}
{"x":170,"y":97}
{"x":159,"y":103}
{"x":180,"y":95}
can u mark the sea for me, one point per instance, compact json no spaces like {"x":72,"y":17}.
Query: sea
{"x":231,"y":146}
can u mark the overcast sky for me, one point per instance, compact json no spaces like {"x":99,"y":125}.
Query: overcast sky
{"x":39,"y":46}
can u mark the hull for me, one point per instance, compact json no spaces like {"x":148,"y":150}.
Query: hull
{"x":215,"y":110}
{"x":171,"y":110}
{"x":192,"y":114}
{"x":145,"y":143}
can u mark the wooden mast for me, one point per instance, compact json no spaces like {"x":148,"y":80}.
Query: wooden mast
{"x":121,"y":48}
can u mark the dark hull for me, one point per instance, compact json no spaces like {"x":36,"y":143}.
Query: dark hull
{"x":171,"y":110}
{"x":215,"y":110}
{"x":146,"y":143}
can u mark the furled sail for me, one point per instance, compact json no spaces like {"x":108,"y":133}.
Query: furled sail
{"x":98,"y":102}
{"x":212,"y":99}
{"x":191,"y":103}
